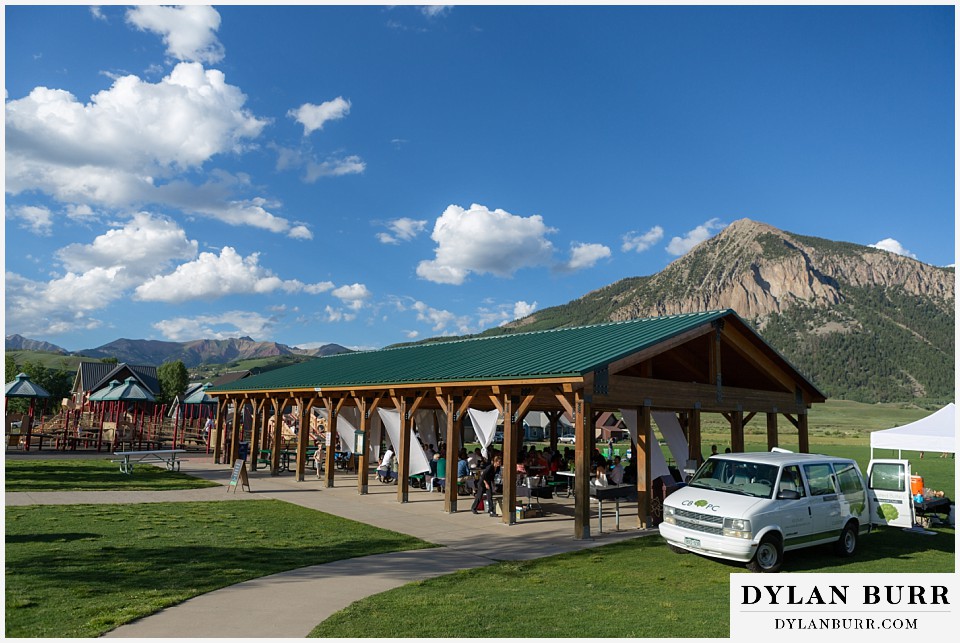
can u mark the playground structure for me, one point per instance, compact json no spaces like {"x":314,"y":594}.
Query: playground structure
{"x":110,"y":425}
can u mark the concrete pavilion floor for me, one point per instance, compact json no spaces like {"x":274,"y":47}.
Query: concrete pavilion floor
{"x":291,"y":603}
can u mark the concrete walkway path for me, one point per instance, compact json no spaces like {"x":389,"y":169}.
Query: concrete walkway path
{"x":291,"y":604}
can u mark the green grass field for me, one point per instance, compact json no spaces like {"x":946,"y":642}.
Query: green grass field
{"x":70,"y":474}
{"x":637,"y":588}
{"x":82,"y":570}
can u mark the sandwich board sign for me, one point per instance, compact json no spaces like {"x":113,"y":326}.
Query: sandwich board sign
{"x":239,"y":476}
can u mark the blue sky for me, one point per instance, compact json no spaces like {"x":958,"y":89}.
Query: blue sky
{"x":372,"y":175}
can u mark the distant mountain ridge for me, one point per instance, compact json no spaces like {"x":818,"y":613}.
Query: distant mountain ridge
{"x":20,"y":343}
{"x":193,"y":353}
{"x":863,"y":323}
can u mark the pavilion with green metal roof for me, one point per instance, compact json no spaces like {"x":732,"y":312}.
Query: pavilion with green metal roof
{"x":688,"y":364}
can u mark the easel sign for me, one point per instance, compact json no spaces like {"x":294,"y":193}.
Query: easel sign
{"x":239,"y":476}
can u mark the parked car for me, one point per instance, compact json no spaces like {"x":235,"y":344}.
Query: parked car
{"x":753,"y":507}
{"x":498,"y":436}
{"x":568,"y":438}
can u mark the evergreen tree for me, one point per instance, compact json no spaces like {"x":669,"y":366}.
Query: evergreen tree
{"x":174,"y":379}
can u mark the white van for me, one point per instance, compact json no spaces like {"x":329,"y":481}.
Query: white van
{"x":752,"y":507}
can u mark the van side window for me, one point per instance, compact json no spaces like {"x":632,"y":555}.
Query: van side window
{"x":820,"y":479}
{"x":790,"y":480}
{"x":887,"y":477}
{"x":848,"y":479}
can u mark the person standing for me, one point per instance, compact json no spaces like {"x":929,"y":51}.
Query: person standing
{"x":487,"y":479}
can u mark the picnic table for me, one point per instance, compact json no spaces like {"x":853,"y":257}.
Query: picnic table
{"x":167,"y":456}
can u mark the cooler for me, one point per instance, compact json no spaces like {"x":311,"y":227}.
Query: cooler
{"x":916,"y":485}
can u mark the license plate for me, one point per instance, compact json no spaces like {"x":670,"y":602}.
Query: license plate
{"x":693,"y":542}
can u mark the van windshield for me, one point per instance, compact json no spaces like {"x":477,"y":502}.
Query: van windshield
{"x":733,"y":476}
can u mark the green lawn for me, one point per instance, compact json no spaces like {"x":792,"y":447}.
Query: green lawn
{"x":82,"y":570}
{"x":636,"y":588}
{"x":69,"y":474}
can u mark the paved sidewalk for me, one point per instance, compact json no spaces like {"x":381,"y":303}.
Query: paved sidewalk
{"x":291,"y":604}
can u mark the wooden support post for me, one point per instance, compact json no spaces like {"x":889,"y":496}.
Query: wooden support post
{"x":277,"y":437}
{"x":235,"y":433}
{"x":736,"y":431}
{"x":802,"y":433}
{"x":583,"y":430}
{"x":220,"y":428}
{"x":553,"y":417}
{"x":509,"y":471}
{"x":333,"y":440}
{"x":644,"y":444}
{"x":772,"y":433}
{"x":449,"y":402}
{"x":403,"y":463}
{"x":303,"y":437}
{"x":695,"y":448}
{"x":363,"y":475}
{"x":255,"y":431}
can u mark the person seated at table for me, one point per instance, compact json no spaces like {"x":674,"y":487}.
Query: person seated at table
{"x":474,"y":459}
{"x":555,"y":463}
{"x":385,"y":470}
{"x":615,"y":474}
{"x":464,"y":479}
{"x":601,"y":480}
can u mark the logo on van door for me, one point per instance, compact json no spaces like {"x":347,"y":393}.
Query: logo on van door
{"x":702,"y":504}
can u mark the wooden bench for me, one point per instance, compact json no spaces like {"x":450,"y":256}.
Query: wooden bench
{"x":167,"y":456}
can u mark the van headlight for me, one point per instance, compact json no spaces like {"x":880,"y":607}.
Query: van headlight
{"x":737,"y":528}
{"x":669,"y":515}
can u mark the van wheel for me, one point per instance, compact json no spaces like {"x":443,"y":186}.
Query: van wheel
{"x":677,"y":550}
{"x":769,"y":556}
{"x":846,"y":545}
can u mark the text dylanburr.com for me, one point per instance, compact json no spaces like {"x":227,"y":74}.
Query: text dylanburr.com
{"x":875,"y":606}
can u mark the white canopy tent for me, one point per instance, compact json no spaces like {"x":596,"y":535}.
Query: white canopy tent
{"x":936,"y":432}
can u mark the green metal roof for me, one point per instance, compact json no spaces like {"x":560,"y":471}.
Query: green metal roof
{"x":21,"y":386}
{"x":558,"y":353}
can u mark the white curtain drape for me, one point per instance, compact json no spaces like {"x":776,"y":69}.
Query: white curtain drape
{"x":658,"y":464}
{"x":391,"y":422}
{"x":673,"y":433}
{"x":484,"y":425}
{"x":345,"y":428}
{"x":376,"y":433}
{"x":426,"y":427}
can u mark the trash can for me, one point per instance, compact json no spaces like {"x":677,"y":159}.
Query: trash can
{"x":244,"y":450}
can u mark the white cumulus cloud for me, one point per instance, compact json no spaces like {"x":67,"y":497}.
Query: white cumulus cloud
{"x":35,"y":218}
{"x":402,"y":229}
{"x":894,"y":246}
{"x":313,"y":117}
{"x":189,"y":32}
{"x":213,"y":276}
{"x":97,"y":275}
{"x":480,"y":240}
{"x":586,"y":255}
{"x":640,"y":242}
{"x":682,"y":245}
{"x":354,"y":296}
{"x":130,"y":144}
{"x":521,"y":309}
{"x":235,"y":323}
